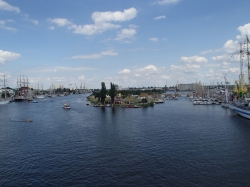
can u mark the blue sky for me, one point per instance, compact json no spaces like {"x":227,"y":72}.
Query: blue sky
{"x":126,"y":42}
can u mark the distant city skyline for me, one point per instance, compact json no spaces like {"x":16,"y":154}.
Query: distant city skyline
{"x":129,"y":43}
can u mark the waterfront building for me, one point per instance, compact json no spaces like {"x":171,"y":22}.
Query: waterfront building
{"x":187,"y":87}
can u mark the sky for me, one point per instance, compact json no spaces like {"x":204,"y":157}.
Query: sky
{"x":131,"y":43}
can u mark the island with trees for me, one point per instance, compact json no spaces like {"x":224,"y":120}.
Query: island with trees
{"x":124,"y":98}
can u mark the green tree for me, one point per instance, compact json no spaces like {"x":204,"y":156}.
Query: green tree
{"x":103,"y":93}
{"x":112,"y":92}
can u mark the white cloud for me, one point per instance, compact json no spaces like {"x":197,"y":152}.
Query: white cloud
{"x":212,"y":65}
{"x":8,"y":7}
{"x":165,"y":77}
{"x":26,"y":18}
{"x":125,"y":71}
{"x":206,"y":52}
{"x":165,"y":2}
{"x":192,"y":66}
{"x":6,"y":56}
{"x":94,"y":56}
{"x":109,"y":53}
{"x":147,"y":76}
{"x":101,"y":22}
{"x":194,"y":59}
{"x":160,"y":17}
{"x":35,"y":22}
{"x":59,"y":79}
{"x":234,"y":70}
{"x":61,"y":22}
{"x":226,"y":64}
{"x":177,"y":68}
{"x":52,"y":28}
{"x":126,"y":34}
{"x":3,"y":25}
{"x":153,"y":39}
{"x":127,"y":14}
{"x":231,"y":46}
{"x":224,"y":57}
{"x":93,"y":29}
{"x":82,"y":77}
{"x":187,"y":69}
{"x":149,"y":68}
{"x":60,"y":69}
{"x":244,"y":30}
{"x":218,"y":58}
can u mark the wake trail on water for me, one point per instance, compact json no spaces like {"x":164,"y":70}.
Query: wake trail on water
{"x":22,"y":120}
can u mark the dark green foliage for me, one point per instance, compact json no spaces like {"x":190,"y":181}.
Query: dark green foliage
{"x":103,"y":93}
{"x":144,"y":100}
{"x":112,"y":92}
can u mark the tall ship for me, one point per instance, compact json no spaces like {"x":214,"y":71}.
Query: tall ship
{"x":241,"y":102}
{"x":40,"y":94}
{"x":23,"y":90}
{"x":4,"y":99}
{"x":52,"y":92}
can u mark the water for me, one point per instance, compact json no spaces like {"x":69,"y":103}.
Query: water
{"x":170,"y":144}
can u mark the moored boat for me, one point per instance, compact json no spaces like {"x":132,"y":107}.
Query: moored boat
{"x":4,"y":101}
{"x":241,"y":104}
{"x":241,"y":109}
{"x":40,"y":96}
{"x":23,"y":91}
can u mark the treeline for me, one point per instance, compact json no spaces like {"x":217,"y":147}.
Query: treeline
{"x":102,"y":94}
{"x":112,"y":92}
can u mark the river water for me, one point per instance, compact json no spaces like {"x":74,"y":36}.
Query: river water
{"x":171,"y":144}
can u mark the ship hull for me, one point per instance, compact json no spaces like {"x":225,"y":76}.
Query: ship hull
{"x":242,"y":112}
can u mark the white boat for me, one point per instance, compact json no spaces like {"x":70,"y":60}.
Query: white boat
{"x":40,"y":96}
{"x":66,"y":106}
{"x":4,"y":101}
{"x":241,"y":109}
{"x":202,"y":102}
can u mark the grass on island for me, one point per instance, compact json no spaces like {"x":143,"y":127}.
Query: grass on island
{"x":132,"y":100}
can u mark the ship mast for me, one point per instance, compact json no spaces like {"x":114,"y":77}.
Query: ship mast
{"x":248,"y":65}
{"x":241,"y":67}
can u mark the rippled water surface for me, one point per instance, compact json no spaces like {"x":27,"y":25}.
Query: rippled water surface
{"x":170,"y":144}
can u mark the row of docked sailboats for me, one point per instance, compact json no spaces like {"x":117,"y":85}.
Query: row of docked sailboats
{"x":241,"y":102}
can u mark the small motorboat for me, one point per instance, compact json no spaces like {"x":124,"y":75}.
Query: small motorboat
{"x":66,"y":106}
{"x":28,"y":120}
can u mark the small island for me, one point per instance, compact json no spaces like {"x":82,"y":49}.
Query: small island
{"x":125,"y":98}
